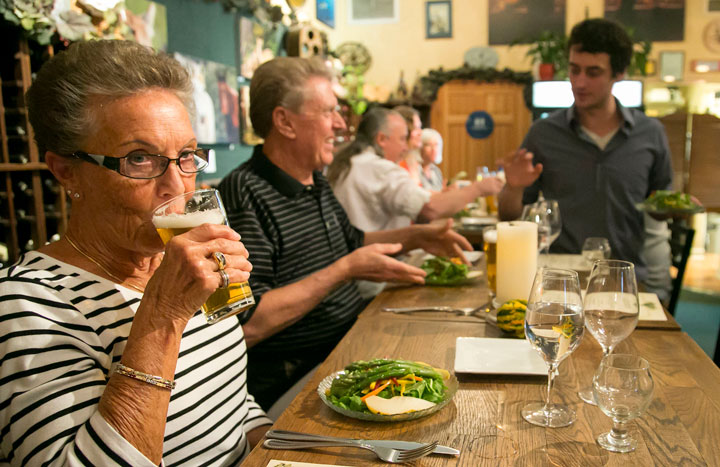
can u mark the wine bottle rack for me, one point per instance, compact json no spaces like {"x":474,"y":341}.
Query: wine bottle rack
{"x":33,"y":207}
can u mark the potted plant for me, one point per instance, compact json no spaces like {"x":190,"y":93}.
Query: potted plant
{"x":550,"y":50}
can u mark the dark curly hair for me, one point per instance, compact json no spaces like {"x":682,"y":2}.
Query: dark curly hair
{"x":600,"y":35}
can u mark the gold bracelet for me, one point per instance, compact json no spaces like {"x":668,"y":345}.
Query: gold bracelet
{"x":144,"y":377}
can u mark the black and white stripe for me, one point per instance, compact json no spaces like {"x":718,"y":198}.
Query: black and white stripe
{"x":291,"y":231}
{"x":61,"y":331}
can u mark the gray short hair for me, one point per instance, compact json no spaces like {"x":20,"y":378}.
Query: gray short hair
{"x":62,"y":99}
{"x":280,"y":83}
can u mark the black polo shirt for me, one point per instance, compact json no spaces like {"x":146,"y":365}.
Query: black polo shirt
{"x":597,"y":189}
{"x":291,"y":231}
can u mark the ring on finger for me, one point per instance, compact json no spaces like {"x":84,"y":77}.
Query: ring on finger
{"x":220,"y":260}
{"x":225,"y":279}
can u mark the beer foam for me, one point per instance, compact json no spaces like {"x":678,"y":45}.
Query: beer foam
{"x":190,"y":220}
{"x":490,"y":236}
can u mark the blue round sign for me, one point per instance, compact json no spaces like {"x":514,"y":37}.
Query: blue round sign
{"x":479,"y":124}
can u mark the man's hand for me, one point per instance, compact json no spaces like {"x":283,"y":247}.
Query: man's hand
{"x":519,"y":169}
{"x":440,"y":239}
{"x":373,"y":263}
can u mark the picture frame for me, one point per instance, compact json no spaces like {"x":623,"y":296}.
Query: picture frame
{"x":672,"y":65}
{"x":438,"y":19}
{"x":713,"y":5}
{"x":325,"y":12}
{"x":361,"y":12}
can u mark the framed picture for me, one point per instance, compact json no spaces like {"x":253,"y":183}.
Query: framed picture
{"x":650,"y":21}
{"x":258,"y":42}
{"x":217,"y":111}
{"x":672,"y":65}
{"x":372,"y":11}
{"x":713,"y":5}
{"x":523,"y":21}
{"x":438,"y":19}
{"x":325,"y":12}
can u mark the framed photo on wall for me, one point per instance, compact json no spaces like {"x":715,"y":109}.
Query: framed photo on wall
{"x":523,"y":21}
{"x":438,"y":19}
{"x":650,"y":21}
{"x":672,"y":65}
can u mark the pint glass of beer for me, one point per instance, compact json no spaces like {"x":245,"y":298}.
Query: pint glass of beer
{"x":490,"y":249}
{"x":182,"y":213}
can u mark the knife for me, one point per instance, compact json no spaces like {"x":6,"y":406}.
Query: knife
{"x":299,"y":437}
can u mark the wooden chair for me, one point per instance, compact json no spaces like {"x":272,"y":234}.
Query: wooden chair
{"x":681,"y":238}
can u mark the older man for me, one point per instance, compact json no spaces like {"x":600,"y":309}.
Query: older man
{"x":306,"y":254}
{"x":377,"y":193}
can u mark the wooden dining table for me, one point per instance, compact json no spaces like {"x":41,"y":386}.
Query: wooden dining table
{"x":483,"y":420}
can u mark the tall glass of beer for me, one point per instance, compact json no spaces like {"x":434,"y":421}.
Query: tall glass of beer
{"x":189,"y":210}
{"x":490,"y":249}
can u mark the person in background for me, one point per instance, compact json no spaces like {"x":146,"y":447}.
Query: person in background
{"x":376,"y":193}
{"x":431,"y":177}
{"x":598,"y":159}
{"x":411,"y":160}
{"x":100,"y":328}
{"x":306,"y":254}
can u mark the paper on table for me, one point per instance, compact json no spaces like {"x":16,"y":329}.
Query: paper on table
{"x":277,"y":463}
{"x":650,"y":307}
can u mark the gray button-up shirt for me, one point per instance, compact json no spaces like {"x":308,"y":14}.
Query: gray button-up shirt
{"x":597,"y":189}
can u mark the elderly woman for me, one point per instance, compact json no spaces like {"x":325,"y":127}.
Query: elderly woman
{"x":431,"y":178}
{"x":106,"y":358}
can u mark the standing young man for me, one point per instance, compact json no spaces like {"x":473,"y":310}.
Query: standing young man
{"x":598,"y":159}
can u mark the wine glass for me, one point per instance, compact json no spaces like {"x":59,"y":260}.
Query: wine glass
{"x":623,"y":387}
{"x":596,"y":248}
{"x":611,"y":307}
{"x":554,"y":327}
{"x":546,"y":214}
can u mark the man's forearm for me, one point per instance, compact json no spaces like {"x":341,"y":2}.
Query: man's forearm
{"x":281,"y":307}
{"x":447,"y":203}
{"x":510,"y":203}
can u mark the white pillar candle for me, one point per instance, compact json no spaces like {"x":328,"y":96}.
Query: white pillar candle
{"x":517,"y":251}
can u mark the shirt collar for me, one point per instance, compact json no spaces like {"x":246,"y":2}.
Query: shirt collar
{"x":277,"y":177}
{"x":628,"y":120}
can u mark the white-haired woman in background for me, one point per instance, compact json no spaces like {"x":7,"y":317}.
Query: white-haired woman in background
{"x":431,"y":177}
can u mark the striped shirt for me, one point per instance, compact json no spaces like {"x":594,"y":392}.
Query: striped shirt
{"x":291,"y":231}
{"x":62,"y":330}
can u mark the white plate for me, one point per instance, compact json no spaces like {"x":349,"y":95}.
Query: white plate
{"x":497,"y":357}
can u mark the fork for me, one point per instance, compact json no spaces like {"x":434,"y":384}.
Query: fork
{"x":390,"y":455}
{"x":480,"y":311}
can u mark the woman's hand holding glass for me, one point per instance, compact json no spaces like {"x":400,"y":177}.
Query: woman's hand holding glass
{"x":554,"y":326}
{"x":623,"y":388}
{"x":189,"y":274}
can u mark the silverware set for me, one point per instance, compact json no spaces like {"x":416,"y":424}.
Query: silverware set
{"x":389,"y":451}
{"x":480,"y":312}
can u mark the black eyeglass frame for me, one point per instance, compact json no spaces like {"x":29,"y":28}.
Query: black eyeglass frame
{"x":113,"y":163}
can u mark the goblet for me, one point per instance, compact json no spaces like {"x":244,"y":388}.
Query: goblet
{"x":554,"y":327}
{"x":611,"y":307}
{"x":546,"y":214}
{"x":596,"y":248}
{"x":623,"y":388}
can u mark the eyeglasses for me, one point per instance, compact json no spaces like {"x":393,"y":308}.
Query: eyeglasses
{"x":146,"y":166}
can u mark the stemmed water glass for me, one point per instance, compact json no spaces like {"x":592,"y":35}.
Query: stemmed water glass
{"x":546,"y":214}
{"x":595,"y":248}
{"x":623,"y":388}
{"x":554,"y":327}
{"x":611,"y":307}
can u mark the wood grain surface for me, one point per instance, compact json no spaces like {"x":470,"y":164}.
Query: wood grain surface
{"x":681,"y":426}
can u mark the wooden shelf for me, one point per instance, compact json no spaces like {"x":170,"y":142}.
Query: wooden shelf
{"x":13,"y":167}
{"x":24,"y":215}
